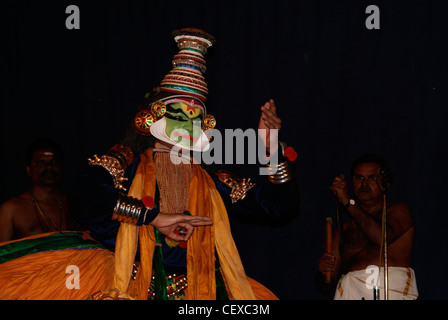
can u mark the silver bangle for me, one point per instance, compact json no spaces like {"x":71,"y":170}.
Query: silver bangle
{"x":127,"y":209}
{"x":280,"y":173}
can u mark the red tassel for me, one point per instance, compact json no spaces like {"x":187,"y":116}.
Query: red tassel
{"x":148,"y":202}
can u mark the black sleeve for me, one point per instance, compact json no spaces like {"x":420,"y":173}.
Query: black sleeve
{"x":265,"y":203}
{"x":92,"y":198}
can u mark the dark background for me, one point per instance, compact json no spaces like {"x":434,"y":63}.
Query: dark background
{"x":341,"y":90}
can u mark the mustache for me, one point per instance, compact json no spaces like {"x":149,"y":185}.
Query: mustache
{"x":365,"y":189}
{"x":48,"y":174}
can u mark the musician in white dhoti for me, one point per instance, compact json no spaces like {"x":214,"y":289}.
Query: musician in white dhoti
{"x":358,"y":246}
{"x":361,"y":283}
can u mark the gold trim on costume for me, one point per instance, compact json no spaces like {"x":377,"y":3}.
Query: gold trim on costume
{"x":408,"y":282}
{"x":239,"y":186}
{"x":115,"y":161}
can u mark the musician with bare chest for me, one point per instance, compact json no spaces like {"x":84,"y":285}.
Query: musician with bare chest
{"x":360,"y":247}
{"x":42,"y":208}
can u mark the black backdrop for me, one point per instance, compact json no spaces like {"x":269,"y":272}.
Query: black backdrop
{"x":341,"y":90}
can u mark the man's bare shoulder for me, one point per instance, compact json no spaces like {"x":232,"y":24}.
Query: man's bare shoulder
{"x":15,"y":204}
{"x":401,"y":213}
{"x":399,"y":208}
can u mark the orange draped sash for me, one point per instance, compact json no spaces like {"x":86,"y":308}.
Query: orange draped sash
{"x":204,"y":200}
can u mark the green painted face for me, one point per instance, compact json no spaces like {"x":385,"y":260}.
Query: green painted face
{"x":183,"y":123}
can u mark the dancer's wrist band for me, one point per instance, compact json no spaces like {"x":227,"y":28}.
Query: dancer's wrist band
{"x":133,"y":211}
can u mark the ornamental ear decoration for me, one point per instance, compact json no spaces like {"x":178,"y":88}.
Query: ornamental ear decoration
{"x":145,"y":118}
{"x":158,"y":109}
{"x":208,"y":122}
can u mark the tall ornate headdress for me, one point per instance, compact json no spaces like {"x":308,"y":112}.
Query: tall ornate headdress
{"x":185,"y":81}
{"x":189,"y":64}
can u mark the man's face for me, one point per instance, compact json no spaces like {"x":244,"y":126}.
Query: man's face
{"x":367,"y":181}
{"x":45,"y":168}
{"x":183,"y":123}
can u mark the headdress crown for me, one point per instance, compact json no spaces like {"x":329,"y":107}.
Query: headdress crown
{"x":189,"y":67}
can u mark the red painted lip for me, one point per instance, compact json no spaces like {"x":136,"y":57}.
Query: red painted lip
{"x":185,"y":136}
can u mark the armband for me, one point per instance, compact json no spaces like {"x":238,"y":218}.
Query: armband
{"x":239,"y":186}
{"x":115,"y":161}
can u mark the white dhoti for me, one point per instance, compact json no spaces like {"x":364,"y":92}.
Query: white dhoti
{"x":359,"y":284}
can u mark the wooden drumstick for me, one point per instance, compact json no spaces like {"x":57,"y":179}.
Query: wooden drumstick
{"x":329,"y":245}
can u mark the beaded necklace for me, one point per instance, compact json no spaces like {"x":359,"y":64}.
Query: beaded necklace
{"x":41,"y":216}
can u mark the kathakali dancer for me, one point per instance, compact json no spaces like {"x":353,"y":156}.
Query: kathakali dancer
{"x":167,"y":222}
